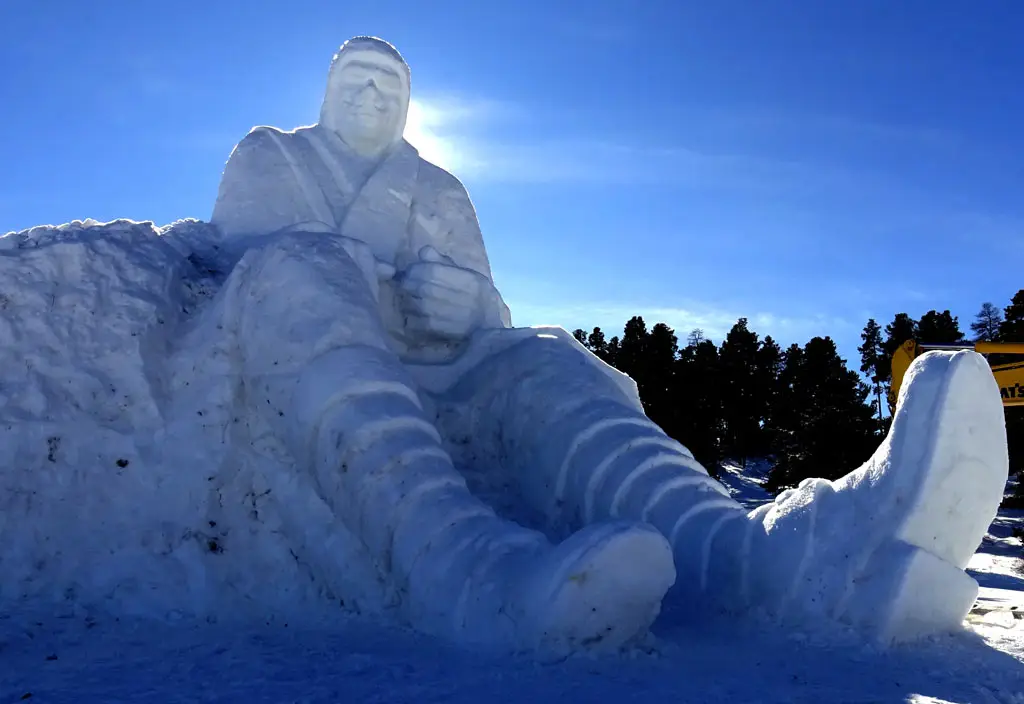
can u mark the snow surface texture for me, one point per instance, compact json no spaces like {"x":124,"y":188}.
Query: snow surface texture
{"x":317,"y":400}
{"x":128,"y":467}
{"x":56,"y":657}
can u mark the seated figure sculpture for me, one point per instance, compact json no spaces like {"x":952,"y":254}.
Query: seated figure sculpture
{"x":365,"y":273}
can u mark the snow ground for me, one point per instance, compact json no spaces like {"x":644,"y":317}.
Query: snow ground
{"x":745,"y":483}
{"x":74,"y":658}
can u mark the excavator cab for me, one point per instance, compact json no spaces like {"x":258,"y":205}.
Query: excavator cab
{"x":1009,"y":377}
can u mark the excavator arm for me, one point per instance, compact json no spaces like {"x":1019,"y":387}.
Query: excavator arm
{"x":1009,"y":377}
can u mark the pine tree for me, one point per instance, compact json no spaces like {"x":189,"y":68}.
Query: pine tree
{"x":741,"y":409}
{"x":695,"y":337}
{"x":612,"y":352}
{"x":698,"y":400}
{"x":659,"y":366}
{"x":900,"y":330}
{"x":873,"y":361}
{"x":581,"y":337}
{"x":825,"y":428}
{"x":596,"y":343}
{"x":939,"y":328}
{"x":631,"y":356}
{"x":767,"y":368}
{"x":1012,"y":327}
{"x":786,"y":420}
{"x":986,"y":324}
{"x":662,"y":347}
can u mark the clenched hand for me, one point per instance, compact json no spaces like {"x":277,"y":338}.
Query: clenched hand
{"x":441,"y":300}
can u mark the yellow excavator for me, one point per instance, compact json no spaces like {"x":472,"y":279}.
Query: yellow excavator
{"x":1009,"y":377}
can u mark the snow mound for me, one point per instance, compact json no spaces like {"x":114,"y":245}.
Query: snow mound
{"x":129,"y":482}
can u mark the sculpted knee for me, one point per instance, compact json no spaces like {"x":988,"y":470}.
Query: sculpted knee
{"x":559,"y":363}
{"x":552,"y":348}
{"x":299,"y":257}
{"x":301,"y":295}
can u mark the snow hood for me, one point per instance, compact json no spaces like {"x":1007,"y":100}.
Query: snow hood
{"x":351,"y":48}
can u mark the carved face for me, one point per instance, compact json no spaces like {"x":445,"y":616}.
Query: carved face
{"x":367,"y":100}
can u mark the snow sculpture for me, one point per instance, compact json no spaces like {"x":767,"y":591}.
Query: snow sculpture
{"x":374,"y":293}
{"x":361,"y":260}
{"x":356,"y":335}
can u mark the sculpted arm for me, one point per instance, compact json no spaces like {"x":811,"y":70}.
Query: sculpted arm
{"x":260,"y":192}
{"x":460,"y":236}
{"x":448,"y":287}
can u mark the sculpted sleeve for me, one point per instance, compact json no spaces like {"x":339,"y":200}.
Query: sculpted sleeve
{"x":444,"y":217}
{"x":260,"y":191}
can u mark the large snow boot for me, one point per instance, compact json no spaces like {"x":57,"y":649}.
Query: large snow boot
{"x":883,"y":549}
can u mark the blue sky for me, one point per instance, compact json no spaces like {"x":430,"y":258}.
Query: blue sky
{"x":804,"y":164}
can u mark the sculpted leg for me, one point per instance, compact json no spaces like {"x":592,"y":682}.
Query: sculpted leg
{"x":882,"y":550}
{"x":573,"y":432}
{"x":348,"y":411}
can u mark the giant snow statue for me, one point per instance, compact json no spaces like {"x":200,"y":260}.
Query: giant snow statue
{"x":395,"y":362}
{"x":319,"y":397}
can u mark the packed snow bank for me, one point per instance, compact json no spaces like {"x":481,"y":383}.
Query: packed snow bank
{"x":129,"y":482}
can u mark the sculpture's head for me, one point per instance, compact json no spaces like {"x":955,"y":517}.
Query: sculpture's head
{"x":367,"y":98}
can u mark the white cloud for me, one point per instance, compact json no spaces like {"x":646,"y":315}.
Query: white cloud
{"x":712,"y":319}
{"x":611,"y":317}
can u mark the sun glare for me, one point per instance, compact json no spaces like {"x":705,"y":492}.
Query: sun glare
{"x":421,"y":131}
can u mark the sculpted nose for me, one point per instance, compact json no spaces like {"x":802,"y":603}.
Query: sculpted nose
{"x":369,"y":91}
